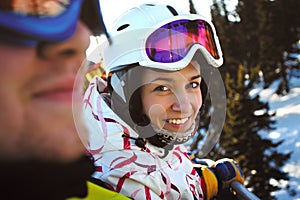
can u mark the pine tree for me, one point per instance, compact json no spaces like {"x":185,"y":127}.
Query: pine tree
{"x":270,"y":27}
{"x":262,"y":32}
{"x":241,"y":139}
{"x":228,"y":36}
{"x":246,"y":45}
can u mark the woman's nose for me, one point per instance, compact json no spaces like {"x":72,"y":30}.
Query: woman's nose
{"x":181,"y":102}
{"x":73,"y":49}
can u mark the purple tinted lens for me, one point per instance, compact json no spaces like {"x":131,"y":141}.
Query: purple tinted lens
{"x":172,"y":42}
{"x":165,"y":56}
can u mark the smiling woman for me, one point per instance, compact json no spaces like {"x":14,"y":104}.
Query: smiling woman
{"x":163,"y":106}
{"x":158,"y":68}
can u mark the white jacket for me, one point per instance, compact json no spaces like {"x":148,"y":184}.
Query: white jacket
{"x":130,"y":170}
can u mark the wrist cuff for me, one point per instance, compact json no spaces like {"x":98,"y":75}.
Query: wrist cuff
{"x":211,"y":183}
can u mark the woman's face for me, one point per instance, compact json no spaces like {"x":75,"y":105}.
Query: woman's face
{"x":172,"y":100}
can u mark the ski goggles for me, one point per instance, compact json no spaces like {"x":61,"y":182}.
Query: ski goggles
{"x":31,"y":21}
{"x":172,"y":42}
{"x":170,"y":47}
{"x":178,"y":40}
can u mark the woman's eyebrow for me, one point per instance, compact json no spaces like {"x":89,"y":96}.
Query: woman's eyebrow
{"x":195,"y":77}
{"x":172,"y":80}
{"x":162,"y":79}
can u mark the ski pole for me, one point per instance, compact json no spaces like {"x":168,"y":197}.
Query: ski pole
{"x":242,"y":192}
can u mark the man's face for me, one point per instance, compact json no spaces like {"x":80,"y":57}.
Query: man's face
{"x":36,"y":119}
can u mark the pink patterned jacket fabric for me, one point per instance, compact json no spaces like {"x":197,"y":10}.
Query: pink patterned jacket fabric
{"x":130,"y":170}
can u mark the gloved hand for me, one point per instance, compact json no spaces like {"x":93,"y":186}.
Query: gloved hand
{"x":227,"y":171}
{"x":218,"y":176}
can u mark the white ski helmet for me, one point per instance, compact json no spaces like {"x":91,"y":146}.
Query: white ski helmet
{"x":160,"y":29}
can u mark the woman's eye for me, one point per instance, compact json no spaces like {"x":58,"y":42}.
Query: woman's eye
{"x":161,"y":88}
{"x":195,"y":84}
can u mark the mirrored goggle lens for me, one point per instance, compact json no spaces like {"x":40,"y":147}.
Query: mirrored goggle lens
{"x":172,"y":42}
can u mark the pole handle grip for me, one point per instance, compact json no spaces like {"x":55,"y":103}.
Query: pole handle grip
{"x":242,"y":192}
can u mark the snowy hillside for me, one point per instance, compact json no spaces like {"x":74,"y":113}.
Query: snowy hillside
{"x":287,"y":125}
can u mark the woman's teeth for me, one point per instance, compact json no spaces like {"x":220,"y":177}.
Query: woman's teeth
{"x":177,"y":121}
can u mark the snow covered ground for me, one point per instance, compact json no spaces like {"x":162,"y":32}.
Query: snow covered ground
{"x":287,"y":125}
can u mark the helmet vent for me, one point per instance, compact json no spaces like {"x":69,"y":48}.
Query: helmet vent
{"x":123,"y":27}
{"x":172,"y":10}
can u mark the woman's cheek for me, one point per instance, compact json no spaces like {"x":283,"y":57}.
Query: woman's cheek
{"x":157,"y":113}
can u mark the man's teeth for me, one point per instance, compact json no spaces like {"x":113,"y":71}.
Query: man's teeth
{"x":177,"y":121}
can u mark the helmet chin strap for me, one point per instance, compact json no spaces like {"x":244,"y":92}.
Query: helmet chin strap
{"x":170,"y":137}
{"x":164,"y":138}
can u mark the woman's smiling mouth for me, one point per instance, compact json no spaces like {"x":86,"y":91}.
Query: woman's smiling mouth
{"x":177,"y":121}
